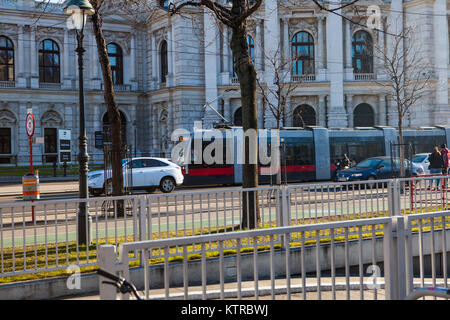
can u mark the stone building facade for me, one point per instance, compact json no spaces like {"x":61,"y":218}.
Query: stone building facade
{"x":166,"y":71}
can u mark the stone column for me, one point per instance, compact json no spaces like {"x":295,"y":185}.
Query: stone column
{"x":34,"y":59}
{"x":350,"y":110}
{"x":260,"y":105}
{"x":441,"y":50}
{"x":337,"y":116}
{"x":378,"y":54}
{"x":154,"y":62}
{"x":227,"y":109}
{"x":392,"y":115}
{"x":225,"y":74}
{"x":133,"y":79}
{"x":155,"y":112}
{"x":67,"y":81}
{"x":258,"y":46}
{"x":286,"y":42}
{"x":320,"y":65}
{"x":348,"y":52}
{"x":322,"y":111}
{"x":96,"y":79}
{"x":382,"y":110}
{"x":21,"y":81}
{"x":169,"y":57}
{"x":210,"y":53}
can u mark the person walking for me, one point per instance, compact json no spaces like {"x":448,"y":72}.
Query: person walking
{"x":436,"y":165}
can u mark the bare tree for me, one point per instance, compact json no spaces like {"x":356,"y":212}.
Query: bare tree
{"x":235,"y":17}
{"x":408,"y":73}
{"x":109,"y":97}
{"x":275,"y":95}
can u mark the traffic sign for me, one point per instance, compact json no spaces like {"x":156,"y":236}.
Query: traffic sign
{"x":30,"y":124}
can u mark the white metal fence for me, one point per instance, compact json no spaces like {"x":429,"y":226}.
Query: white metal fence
{"x":50,"y":241}
{"x":346,"y":260}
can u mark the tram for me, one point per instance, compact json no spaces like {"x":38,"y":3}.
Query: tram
{"x":308,"y":154}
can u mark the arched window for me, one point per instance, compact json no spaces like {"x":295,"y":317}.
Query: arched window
{"x":49,"y":62}
{"x":6,"y":59}
{"x":302,"y":53}
{"x":116,"y":61}
{"x":304,"y":115}
{"x":107,"y":128}
{"x":362,"y":52}
{"x":363,"y":116}
{"x":251,"y":53}
{"x":238,"y":117}
{"x":164,"y":61}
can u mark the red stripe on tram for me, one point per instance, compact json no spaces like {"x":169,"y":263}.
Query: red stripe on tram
{"x":211,"y":171}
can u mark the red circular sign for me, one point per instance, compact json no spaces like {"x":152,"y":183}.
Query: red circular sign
{"x":30,"y":124}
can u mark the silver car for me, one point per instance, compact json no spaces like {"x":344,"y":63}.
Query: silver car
{"x":148,"y":174}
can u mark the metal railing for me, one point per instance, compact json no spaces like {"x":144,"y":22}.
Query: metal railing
{"x":346,"y":260}
{"x":304,"y":269}
{"x":45,"y":231}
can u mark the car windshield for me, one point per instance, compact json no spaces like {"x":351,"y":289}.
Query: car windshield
{"x":419,"y":159}
{"x":369,"y":163}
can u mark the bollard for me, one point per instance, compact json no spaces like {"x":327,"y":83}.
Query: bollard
{"x":65,"y":168}
{"x":54,"y":169}
{"x":30,"y":186}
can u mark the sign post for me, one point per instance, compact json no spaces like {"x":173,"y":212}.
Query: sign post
{"x":30,"y":183}
{"x":30,"y":132}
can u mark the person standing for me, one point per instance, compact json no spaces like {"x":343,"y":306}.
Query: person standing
{"x":436,"y":165}
{"x":445,"y":158}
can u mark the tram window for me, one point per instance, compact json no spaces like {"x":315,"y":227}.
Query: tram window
{"x":356,"y":151}
{"x":299,"y":154}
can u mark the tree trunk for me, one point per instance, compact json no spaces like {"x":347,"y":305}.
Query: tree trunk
{"x":113,"y":111}
{"x":246,"y":73}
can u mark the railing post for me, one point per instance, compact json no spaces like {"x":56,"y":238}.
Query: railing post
{"x":283,"y":202}
{"x":394,"y":198}
{"x":399,"y":256}
{"x":106,"y":260}
{"x":409,"y":277}
{"x":389,"y":279}
{"x":142,"y":220}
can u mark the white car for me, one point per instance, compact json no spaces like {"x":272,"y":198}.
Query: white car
{"x":421,"y":159}
{"x":146,"y":173}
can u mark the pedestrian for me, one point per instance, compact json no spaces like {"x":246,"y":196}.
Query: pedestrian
{"x":436,"y":165}
{"x":445,"y":158}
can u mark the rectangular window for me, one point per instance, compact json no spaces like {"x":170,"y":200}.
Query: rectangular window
{"x":5,"y":140}
{"x":50,"y":145}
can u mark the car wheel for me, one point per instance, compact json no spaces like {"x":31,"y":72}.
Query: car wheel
{"x":167,"y":184}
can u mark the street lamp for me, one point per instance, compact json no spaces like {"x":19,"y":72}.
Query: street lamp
{"x":78,"y":11}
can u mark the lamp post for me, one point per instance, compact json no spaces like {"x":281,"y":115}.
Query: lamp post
{"x":78,"y":11}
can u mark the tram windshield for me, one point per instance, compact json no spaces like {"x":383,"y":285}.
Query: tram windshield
{"x":369,"y":163}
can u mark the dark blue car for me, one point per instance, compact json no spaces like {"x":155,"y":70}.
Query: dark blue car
{"x":375,"y":168}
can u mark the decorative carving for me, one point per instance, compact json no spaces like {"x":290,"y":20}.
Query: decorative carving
{"x":43,"y":33}
{"x":297,"y":25}
{"x":123,"y":39}
{"x":51,"y":118}
{"x":7,"y":118}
